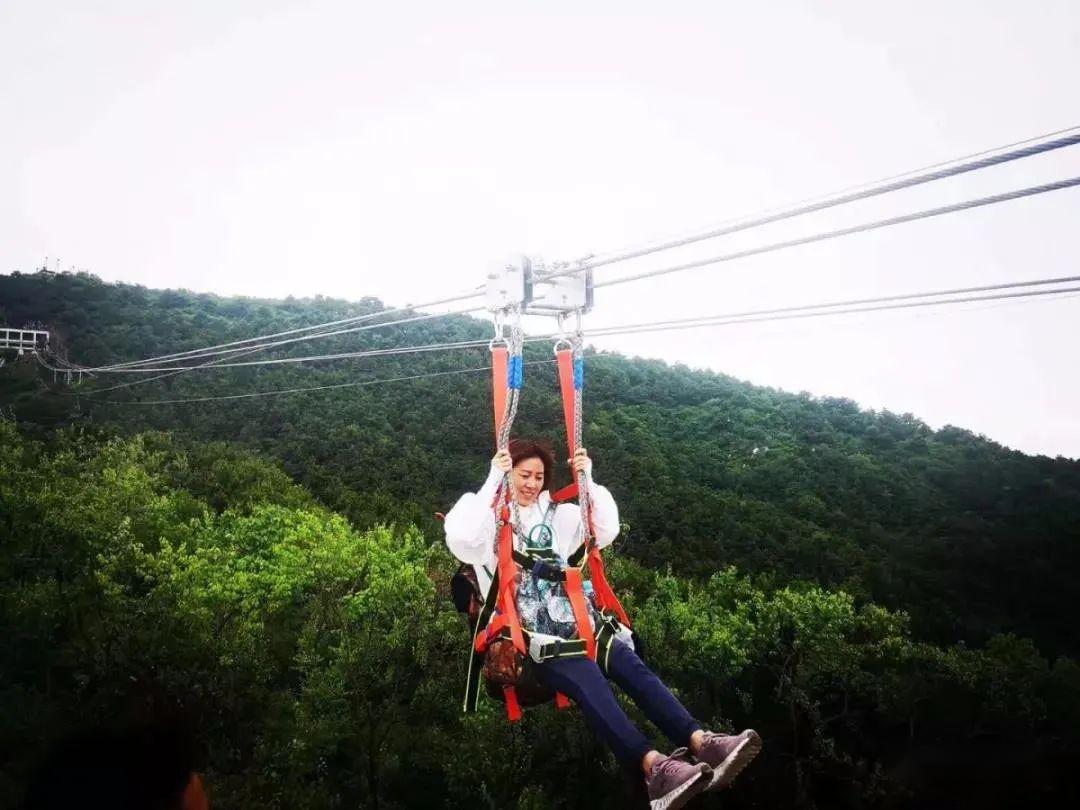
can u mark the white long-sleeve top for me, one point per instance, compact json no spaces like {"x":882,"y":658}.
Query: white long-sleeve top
{"x":470,"y":525}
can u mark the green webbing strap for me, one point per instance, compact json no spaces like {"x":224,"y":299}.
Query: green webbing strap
{"x":476,"y":659}
{"x":605,"y":637}
{"x":544,"y":525}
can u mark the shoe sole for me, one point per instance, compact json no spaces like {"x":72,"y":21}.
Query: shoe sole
{"x":724,"y":773}
{"x":682,"y":794}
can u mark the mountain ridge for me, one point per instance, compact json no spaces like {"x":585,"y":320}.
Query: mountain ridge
{"x":710,"y":470}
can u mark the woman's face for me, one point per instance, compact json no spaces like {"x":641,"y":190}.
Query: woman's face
{"x":528,"y":480}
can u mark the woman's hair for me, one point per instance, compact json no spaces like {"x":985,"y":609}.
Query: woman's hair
{"x":521,"y":449}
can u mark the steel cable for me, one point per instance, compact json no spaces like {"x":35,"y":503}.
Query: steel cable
{"x":843,"y":199}
{"x":849,"y":231}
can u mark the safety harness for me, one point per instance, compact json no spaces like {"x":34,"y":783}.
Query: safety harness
{"x":498,"y":619}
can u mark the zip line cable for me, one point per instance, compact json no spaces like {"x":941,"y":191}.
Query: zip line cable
{"x":619,"y":329}
{"x":253,"y":350}
{"x":855,"y":306}
{"x":297,"y":330}
{"x":854,"y":229}
{"x":599,"y":258}
{"x":243,"y":347}
{"x":359,"y":384}
{"x":976,"y":161}
{"x":742,"y":254}
{"x":145,"y":380}
{"x":276,"y":392}
{"x":729,"y":320}
{"x":432,"y":347}
{"x":831,"y":202}
{"x":317,"y":335}
{"x":45,"y":365}
{"x":861,"y":301}
{"x":142,"y":381}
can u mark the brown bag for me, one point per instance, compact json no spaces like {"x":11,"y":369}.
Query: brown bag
{"x":502,"y":663}
{"x":505,"y":666}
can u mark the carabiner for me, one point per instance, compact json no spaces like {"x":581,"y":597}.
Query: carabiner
{"x":562,"y":341}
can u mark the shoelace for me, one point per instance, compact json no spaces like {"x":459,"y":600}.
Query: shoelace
{"x":720,"y":740}
{"x":668,"y":765}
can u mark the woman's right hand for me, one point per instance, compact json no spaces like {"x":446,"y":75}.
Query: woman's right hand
{"x":502,"y":462}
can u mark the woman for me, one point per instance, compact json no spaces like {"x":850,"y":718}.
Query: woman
{"x":705,"y":760}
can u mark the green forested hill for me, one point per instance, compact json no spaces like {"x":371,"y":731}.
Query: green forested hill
{"x":969,"y":537}
{"x":889,"y":604}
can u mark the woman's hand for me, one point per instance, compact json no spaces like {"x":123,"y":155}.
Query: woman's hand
{"x":581,"y":461}
{"x":502,"y":462}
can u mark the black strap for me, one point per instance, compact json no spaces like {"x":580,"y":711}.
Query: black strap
{"x":606,"y":631}
{"x":476,"y":659}
{"x":577,"y":556}
{"x":563,"y":648}
{"x":543,"y":567}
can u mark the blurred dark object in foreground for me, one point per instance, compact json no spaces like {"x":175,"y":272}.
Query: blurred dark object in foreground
{"x":142,"y":767}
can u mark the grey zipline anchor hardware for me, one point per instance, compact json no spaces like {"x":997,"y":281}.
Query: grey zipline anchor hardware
{"x":524,"y":285}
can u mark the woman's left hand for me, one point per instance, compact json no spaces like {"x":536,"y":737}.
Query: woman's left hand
{"x":581,"y":461}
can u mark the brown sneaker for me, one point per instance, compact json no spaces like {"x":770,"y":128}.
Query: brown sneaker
{"x":673,"y":781}
{"x":728,"y":755}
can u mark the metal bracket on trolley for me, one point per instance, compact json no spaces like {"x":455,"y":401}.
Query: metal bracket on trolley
{"x":526,"y":284}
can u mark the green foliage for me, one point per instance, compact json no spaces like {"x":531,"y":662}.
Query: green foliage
{"x":292,"y":639}
{"x":967,"y":537}
{"x":887,"y":604}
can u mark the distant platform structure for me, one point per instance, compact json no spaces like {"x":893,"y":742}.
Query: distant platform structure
{"x":23,"y":340}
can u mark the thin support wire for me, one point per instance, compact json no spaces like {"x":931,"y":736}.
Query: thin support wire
{"x":966,"y":205}
{"x":843,"y":199}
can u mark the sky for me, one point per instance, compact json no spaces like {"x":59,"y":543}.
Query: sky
{"x":402,"y":150}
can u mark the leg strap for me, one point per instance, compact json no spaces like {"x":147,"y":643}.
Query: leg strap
{"x":513,"y":708}
{"x":576,"y":593}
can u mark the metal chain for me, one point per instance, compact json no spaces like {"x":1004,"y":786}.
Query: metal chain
{"x":515,"y":345}
{"x":584,"y":501}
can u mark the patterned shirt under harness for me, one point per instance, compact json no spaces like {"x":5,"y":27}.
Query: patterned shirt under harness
{"x":543,"y":606}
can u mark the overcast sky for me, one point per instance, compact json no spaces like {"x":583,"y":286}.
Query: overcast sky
{"x":400,"y":149}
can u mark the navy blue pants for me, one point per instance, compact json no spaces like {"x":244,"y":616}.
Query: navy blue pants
{"x":582,"y":681}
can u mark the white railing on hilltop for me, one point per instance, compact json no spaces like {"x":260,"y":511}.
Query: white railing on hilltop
{"x":22,"y":340}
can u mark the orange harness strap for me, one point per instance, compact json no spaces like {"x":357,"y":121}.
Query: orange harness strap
{"x":499,"y":356}
{"x":605,"y":596}
{"x":507,"y":604}
{"x":513,"y":708}
{"x":576,"y":594}
{"x":497,"y":623}
{"x":567,"y":493}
